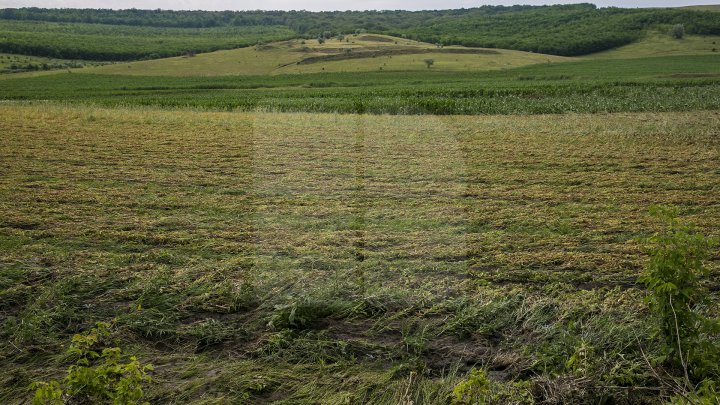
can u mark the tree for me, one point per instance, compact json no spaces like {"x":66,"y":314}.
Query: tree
{"x":678,"y":31}
{"x":429,"y":62}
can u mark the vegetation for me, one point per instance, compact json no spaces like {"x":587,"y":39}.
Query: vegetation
{"x":358,"y":53}
{"x":559,"y":30}
{"x":374,"y":269}
{"x":21,"y":63}
{"x":117,"y":43}
{"x":674,"y":275}
{"x":662,"y":44}
{"x":252,"y":226}
{"x":652,"y":84}
{"x":97,"y":377}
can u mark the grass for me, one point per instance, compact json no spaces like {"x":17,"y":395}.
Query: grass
{"x":305,"y":258}
{"x":675,"y":83}
{"x":708,"y":7}
{"x":662,"y":44}
{"x":10,"y":63}
{"x":283,"y":57}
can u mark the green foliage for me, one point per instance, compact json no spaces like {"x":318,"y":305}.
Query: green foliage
{"x":590,"y":86}
{"x":674,"y":277}
{"x":559,"y":29}
{"x":474,"y":390}
{"x":47,"y":393}
{"x":97,"y":376}
{"x":678,"y":31}
{"x":119,"y":43}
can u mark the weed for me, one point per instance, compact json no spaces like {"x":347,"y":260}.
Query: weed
{"x":674,"y":277}
{"x":96,"y":376}
{"x":474,"y":390}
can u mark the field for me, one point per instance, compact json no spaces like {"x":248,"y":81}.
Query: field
{"x":295,"y":208}
{"x":355,"y":53}
{"x":10,"y":63}
{"x":678,"y":83}
{"x":343,"y":258}
{"x":661,"y":44}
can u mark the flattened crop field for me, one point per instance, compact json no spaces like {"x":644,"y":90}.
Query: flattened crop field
{"x":328,"y":258}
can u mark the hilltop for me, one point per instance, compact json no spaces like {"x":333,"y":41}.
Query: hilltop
{"x":352,"y":53}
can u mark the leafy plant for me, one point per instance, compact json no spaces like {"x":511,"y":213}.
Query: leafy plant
{"x":674,"y":276}
{"x":97,"y":376}
{"x":474,"y":390}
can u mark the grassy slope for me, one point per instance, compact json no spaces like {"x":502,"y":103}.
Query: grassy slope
{"x":408,"y":258}
{"x":7,"y":59}
{"x":280,"y":58}
{"x":709,"y":7}
{"x":657,"y":44}
{"x":268,"y":59}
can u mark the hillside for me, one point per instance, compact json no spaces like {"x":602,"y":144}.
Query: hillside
{"x":567,"y":30}
{"x":657,"y":44}
{"x":707,"y":7}
{"x":361,"y":52}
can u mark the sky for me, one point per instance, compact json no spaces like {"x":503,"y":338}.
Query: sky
{"x":318,"y":5}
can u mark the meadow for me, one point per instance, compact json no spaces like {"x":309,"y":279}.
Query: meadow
{"x":305,"y":258}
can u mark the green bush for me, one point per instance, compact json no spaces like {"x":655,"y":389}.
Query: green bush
{"x":96,"y":377}
{"x":674,"y":277}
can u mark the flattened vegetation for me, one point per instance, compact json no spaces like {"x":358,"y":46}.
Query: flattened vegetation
{"x":329,"y":258}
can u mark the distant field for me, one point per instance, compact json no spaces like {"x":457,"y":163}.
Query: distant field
{"x":657,"y":44}
{"x":710,"y":7}
{"x":366,"y":53}
{"x":326,"y":258}
{"x":10,"y":63}
{"x":678,"y":83}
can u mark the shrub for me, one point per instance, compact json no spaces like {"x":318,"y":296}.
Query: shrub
{"x":678,"y":31}
{"x":96,"y":377}
{"x":474,"y":390}
{"x":674,"y":276}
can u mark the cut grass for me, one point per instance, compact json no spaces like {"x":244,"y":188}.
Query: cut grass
{"x":326,"y":258}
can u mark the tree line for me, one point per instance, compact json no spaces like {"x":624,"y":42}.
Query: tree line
{"x":568,"y":30}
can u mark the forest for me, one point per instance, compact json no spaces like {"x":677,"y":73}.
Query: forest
{"x":567,"y":30}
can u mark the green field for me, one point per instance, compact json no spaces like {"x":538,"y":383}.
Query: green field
{"x":10,"y":63}
{"x":306,"y":212}
{"x":355,"y":53}
{"x":661,"y":44}
{"x":343,"y":258}
{"x":678,"y":83}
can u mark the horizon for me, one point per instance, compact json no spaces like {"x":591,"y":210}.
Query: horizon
{"x":320,"y":5}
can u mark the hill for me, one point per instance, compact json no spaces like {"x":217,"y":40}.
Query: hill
{"x":657,"y":44}
{"x":707,"y":7}
{"x":567,"y":30}
{"x":361,"y":52}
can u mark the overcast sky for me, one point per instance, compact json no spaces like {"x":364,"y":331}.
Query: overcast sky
{"x":316,"y":5}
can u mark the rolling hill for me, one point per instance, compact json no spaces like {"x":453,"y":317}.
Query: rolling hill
{"x":566,"y":30}
{"x":354,"y":53}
